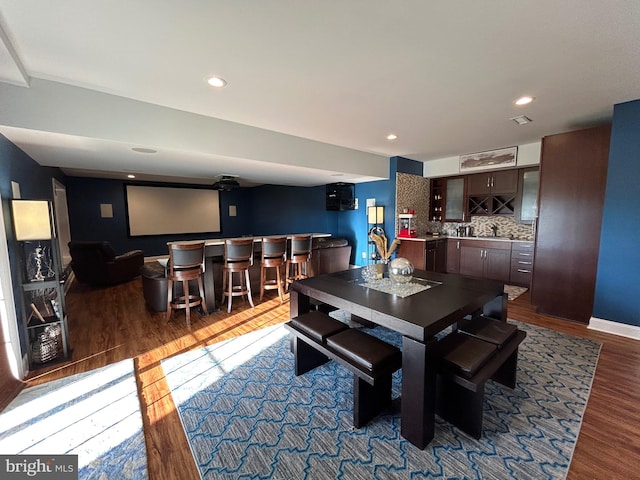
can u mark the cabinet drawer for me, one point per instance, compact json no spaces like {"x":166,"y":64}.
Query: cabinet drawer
{"x":522,"y":246}
{"x":525,"y":263}
{"x":520,"y":276}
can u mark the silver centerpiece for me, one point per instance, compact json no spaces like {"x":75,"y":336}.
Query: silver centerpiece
{"x":400,"y":270}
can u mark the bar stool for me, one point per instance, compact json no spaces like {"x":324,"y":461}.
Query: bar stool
{"x":186,"y":262}
{"x":238,"y":257}
{"x":298,"y":259}
{"x":273,"y":254}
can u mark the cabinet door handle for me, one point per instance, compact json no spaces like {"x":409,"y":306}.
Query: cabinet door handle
{"x":522,"y":270}
{"x":458,"y":245}
{"x":492,"y":182}
{"x":488,"y":181}
{"x":524,"y":263}
{"x":524,"y":254}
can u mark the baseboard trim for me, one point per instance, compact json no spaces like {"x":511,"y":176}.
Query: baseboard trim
{"x":616,"y":328}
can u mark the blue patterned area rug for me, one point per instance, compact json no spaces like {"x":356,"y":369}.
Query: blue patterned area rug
{"x":246,"y":415}
{"x":95,"y":415}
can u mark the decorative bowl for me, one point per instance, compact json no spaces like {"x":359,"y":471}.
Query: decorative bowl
{"x":400,"y":270}
{"x":369,"y":273}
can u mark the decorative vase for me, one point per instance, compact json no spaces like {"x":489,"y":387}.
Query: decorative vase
{"x":400,"y":270}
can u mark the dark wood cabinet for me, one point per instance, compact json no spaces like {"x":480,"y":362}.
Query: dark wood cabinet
{"x":486,"y":259}
{"x":453,"y":255}
{"x":436,"y":255}
{"x":492,"y":193}
{"x":522,"y":255}
{"x":430,"y":255}
{"x":527,"y":199}
{"x":447,"y":199}
{"x":573,"y":172}
{"x":492,"y":183}
{"x":414,"y":251}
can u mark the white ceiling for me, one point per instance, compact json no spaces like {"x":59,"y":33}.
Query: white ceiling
{"x":442,"y":75}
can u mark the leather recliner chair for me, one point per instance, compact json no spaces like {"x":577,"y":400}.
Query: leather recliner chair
{"x":96,"y":263}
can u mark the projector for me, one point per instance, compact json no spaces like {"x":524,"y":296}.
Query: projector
{"x":226,"y":183}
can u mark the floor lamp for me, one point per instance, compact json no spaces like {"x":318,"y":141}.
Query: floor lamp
{"x":375,"y":218}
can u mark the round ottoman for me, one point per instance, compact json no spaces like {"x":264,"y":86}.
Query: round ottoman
{"x":154,"y":286}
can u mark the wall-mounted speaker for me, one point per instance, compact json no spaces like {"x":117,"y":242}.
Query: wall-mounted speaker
{"x":341,"y":196}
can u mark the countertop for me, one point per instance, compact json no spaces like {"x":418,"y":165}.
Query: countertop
{"x":431,"y":238}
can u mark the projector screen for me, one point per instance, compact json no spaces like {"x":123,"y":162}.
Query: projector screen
{"x":166,"y":210}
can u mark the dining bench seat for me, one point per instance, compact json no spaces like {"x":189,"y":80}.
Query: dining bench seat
{"x":317,"y":338}
{"x":465,"y":364}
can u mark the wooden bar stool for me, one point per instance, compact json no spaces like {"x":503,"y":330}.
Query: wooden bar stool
{"x":186,"y":262}
{"x":273,"y":254}
{"x":238,"y":257}
{"x":298,"y":259}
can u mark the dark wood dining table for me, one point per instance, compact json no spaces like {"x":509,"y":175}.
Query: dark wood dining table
{"x":418,"y":317}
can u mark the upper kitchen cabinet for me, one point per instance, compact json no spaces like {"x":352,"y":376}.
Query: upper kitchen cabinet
{"x":492,"y":193}
{"x":527,"y":199}
{"x":447,"y":199}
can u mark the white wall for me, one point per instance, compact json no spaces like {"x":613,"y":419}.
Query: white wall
{"x":528,"y":154}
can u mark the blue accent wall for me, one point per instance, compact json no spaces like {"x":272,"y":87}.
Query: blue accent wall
{"x":84,"y":196}
{"x":278,"y":209}
{"x":618,"y":282}
{"x":35,"y":184}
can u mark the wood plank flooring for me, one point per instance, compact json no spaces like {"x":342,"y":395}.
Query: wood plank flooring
{"x":112,"y":324}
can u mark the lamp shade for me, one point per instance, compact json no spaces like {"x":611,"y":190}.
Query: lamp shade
{"x":31,"y":219}
{"x":375,"y":215}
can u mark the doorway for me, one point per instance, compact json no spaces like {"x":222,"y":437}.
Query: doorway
{"x":12,"y":366}
{"x":61,"y":214}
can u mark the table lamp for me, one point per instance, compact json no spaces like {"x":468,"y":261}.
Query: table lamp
{"x":32,"y":222}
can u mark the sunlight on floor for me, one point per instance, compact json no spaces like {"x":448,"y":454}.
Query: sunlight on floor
{"x":92,"y":415}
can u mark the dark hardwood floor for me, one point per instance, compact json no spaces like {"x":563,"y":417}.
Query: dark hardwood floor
{"x":112,"y":324}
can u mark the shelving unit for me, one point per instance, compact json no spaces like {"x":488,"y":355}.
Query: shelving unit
{"x":436,"y":201}
{"x":42,"y":292}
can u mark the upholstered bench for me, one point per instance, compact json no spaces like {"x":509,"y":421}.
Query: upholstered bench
{"x":317,"y":338}
{"x":465,"y":364}
{"x":488,"y":329}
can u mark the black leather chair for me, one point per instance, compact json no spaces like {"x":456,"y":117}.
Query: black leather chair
{"x":96,"y":263}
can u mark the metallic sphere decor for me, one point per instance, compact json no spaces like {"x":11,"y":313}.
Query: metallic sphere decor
{"x":400,"y":270}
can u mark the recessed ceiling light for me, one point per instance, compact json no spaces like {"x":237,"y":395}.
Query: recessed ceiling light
{"x":522,"y":120}
{"x":526,"y":100}
{"x":144,"y":150}
{"x":217,"y":82}
{"x":392,"y":136}
{"x":131,"y":176}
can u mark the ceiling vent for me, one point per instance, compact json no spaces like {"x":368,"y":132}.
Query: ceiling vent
{"x":226,"y":182}
{"x":522,"y":120}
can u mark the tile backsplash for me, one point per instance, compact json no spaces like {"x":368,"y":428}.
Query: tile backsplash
{"x":507,"y":226}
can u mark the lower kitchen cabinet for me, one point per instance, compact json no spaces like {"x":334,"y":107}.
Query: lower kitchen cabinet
{"x":453,"y":255}
{"x":436,"y":255}
{"x":521,"y":263}
{"x":430,"y":255}
{"x":486,"y":259}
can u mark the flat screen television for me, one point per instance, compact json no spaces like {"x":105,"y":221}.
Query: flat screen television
{"x":341,"y":196}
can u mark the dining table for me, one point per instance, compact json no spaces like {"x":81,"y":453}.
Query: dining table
{"x":442,"y":300}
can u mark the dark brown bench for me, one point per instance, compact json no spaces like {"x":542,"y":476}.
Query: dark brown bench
{"x":481,"y":349}
{"x":317,"y":338}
